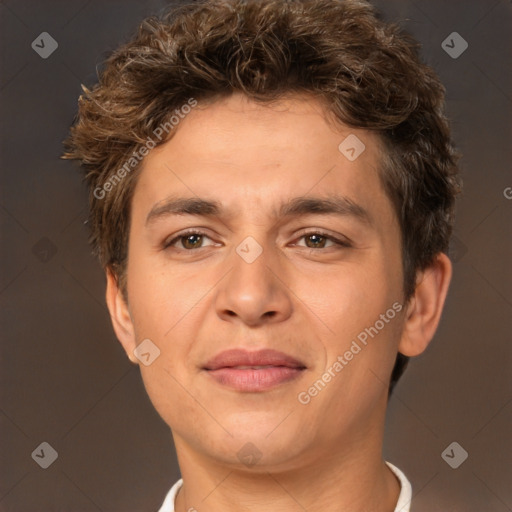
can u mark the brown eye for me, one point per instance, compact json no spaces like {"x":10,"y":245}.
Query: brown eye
{"x":317,"y":241}
{"x":188,"y":241}
{"x":191,"y":241}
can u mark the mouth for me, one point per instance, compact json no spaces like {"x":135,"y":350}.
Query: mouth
{"x":258,"y":371}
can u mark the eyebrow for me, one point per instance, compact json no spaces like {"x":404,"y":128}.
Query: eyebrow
{"x":298,"y":206}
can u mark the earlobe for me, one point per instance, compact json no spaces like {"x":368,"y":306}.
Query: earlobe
{"x":424,"y":311}
{"x":120,"y":316}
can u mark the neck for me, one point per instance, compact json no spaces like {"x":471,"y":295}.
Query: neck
{"x":354,"y":477}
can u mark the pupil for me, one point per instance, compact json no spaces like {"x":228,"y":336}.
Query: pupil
{"x":189,"y":237}
{"x":317,"y":237}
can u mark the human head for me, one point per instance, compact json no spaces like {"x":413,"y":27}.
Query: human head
{"x":367,"y":74}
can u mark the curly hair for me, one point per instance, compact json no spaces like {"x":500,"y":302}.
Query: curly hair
{"x":366,"y":72}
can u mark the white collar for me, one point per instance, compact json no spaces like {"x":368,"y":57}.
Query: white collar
{"x":403,"y":504}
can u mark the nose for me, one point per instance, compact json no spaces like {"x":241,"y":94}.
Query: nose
{"x":256,"y":289}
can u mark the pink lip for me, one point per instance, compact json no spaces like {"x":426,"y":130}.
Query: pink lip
{"x":241,"y":357}
{"x":282,"y":368}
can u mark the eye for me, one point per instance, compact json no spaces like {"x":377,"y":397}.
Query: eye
{"x":318,"y":239}
{"x":189,"y":240}
{"x":193,"y":239}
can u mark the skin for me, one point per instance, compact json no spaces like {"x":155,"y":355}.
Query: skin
{"x":306,"y":297}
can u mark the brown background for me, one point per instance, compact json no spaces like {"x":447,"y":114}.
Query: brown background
{"x":65,"y":379}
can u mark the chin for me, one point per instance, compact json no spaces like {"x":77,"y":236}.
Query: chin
{"x":255,"y":454}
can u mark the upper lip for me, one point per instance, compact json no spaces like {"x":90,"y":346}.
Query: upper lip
{"x":241,"y":357}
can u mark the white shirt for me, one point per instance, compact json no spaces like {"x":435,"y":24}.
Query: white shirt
{"x":402,"y":505}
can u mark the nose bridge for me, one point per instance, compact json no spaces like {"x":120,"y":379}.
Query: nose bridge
{"x":256,"y":247}
{"x":254,"y":289}
{"x":253,"y":261}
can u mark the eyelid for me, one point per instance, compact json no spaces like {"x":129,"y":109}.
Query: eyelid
{"x":168,"y":242}
{"x":338,"y":240}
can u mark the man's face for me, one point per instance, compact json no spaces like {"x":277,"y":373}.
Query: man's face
{"x":256,"y":280}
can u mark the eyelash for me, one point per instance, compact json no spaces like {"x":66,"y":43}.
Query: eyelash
{"x":337,"y":241}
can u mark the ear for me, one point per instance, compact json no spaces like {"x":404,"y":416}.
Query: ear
{"x":425,"y":307}
{"x":120,"y":316}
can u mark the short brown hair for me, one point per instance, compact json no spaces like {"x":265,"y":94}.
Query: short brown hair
{"x":367,"y":73}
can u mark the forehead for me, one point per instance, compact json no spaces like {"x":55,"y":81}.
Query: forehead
{"x":249,"y":156}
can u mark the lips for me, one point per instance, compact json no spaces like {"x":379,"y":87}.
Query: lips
{"x":243,"y":359}
{"x":253,"y":372}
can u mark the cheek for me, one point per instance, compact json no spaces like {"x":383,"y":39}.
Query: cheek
{"x":359,"y":305}
{"x":158,"y":296}
{"x":162,"y":308}
{"x":353,"y":298}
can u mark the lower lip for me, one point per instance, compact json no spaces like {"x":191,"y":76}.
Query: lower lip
{"x":255,"y":380}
